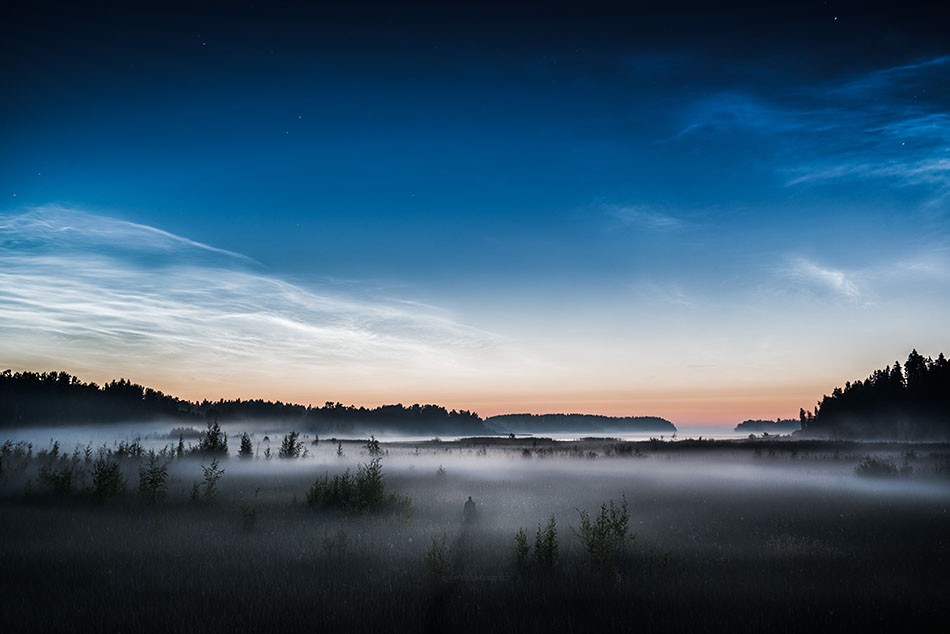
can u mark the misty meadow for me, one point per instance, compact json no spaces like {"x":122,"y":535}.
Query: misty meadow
{"x":291,"y":532}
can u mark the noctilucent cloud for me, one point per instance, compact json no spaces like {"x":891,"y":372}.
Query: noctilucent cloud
{"x":707,"y":213}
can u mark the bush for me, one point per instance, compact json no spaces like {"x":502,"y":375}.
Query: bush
{"x":59,"y":476}
{"x":356,"y":494}
{"x":606,"y":537}
{"x":372,"y":446}
{"x":521,"y":550}
{"x":545,"y":545}
{"x":153,"y":479}
{"x":334,"y":492}
{"x":213,"y":441}
{"x":246,"y":451}
{"x":370,"y":489}
{"x":875,"y":467}
{"x":131,"y":449}
{"x":107,"y":480}
{"x":208,"y":488}
{"x":290,"y":446}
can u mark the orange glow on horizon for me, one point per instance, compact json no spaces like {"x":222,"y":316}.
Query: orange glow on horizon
{"x":709,"y":405}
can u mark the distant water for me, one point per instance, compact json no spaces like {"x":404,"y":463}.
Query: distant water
{"x":716,"y":432}
{"x":157,"y":435}
{"x":685,"y":432}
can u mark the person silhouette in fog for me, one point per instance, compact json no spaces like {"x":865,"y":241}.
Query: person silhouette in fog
{"x":468,"y":513}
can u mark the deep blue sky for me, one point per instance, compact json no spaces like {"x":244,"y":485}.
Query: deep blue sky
{"x":595,"y":190}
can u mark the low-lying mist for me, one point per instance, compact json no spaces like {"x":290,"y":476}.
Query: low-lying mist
{"x":692,"y":532}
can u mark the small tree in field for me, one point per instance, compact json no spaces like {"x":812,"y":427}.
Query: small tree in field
{"x":246,"y":451}
{"x":214,"y":441}
{"x":153,"y":478}
{"x":372,"y":446}
{"x":606,"y":537}
{"x":545,"y":545}
{"x":208,"y":488}
{"x":291,"y":446}
{"x":364,"y":492}
{"x":107,"y":480}
{"x":521,"y":549}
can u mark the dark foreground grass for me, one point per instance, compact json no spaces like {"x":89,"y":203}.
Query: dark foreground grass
{"x":258,"y":558}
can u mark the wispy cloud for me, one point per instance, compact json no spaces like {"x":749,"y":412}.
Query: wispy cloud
{"x":890,"y":124}
{"x":824,"y":279}
{"x":903,"y":279}
{"x":912,"y":79}
{"x":58,"y":227}
{"x":84,"y":290}
{"x":732,"y":111}
{"x":643,"y":217}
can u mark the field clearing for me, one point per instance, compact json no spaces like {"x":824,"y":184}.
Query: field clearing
{"x":738,"y":536}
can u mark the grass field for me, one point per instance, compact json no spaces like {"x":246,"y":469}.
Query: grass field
{"x":722,"y":536}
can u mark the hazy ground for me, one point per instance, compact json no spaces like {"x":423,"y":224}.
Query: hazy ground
{"x":750,"y":536}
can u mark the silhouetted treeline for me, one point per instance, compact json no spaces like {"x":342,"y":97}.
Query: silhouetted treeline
{"x":336,"y":417}
{"x":58,"y":398}
{"x":28,"y":398}
{"x":578,"y":423}
{"x":777,"y":426}
{"x":909,"y":402}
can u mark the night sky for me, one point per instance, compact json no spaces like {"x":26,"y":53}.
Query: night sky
{"x":705,"y":212}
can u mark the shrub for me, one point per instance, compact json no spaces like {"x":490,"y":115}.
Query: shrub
{"x":131,"y":449}
{"x":606,"y":537}
{"x":59,"y":476}
{"x":545,"y":545}
{"x":872,"y":466}
{"x":208,"y":488}
{"x":290,"y":446}
{"x":334,"y":492}
{"x":246,"y":451}
{"x":153,"y":479}
{"x":16,"y":456}
{"x":213,"y":441}
{"x":107,"y":480}
{"x":356,"y":494}
{"x":369,"y":484}
{"x":372,"y":446}
{"x":521,"y":550}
